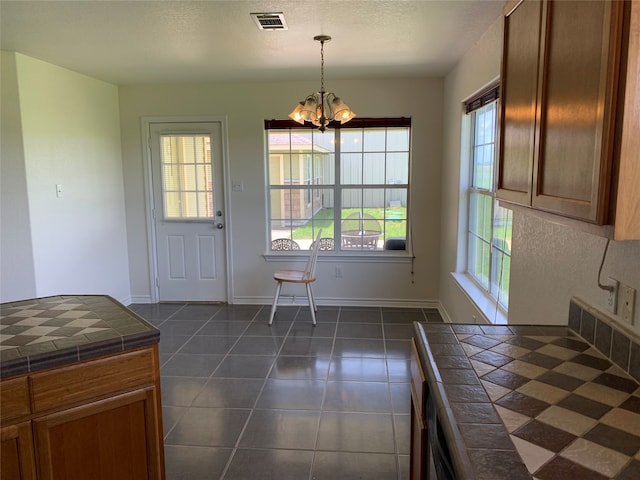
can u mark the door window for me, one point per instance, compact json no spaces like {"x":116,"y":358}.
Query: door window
{"x":187,"y":179}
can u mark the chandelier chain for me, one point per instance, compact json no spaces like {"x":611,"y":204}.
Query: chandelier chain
{"x":322,"y":66}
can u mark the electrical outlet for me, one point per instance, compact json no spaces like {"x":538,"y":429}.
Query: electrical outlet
{"x":627,"y":303}
{"x":338,"y":271}
{"x":612,"y":296}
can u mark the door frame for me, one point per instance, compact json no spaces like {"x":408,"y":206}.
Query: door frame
{"x":145,"y":125}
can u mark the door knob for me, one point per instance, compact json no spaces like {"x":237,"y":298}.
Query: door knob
{"x":219,"y":226}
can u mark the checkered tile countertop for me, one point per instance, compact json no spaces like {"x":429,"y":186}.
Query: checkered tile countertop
{"x":540,"y":391}
{"x":52,"y":331}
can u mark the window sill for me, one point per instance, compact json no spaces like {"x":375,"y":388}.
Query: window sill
{"x":388,"y":256}
{"x":487,"y":305}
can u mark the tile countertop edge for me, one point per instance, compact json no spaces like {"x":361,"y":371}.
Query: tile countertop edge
{"x":114,"y":343}
{"x":463,"y":463}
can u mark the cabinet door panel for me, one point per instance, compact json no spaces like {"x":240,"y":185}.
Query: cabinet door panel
{"x":16,"y":452}
{"x":518,"y":103}
{"x":82,"y":442}
{"x":572,"y":168}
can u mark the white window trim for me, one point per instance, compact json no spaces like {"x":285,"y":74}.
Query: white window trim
{"x":490,"y":308}
{"x":364,"y":256}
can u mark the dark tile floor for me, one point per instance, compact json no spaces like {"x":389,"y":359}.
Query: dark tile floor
{"x":242,"y":400}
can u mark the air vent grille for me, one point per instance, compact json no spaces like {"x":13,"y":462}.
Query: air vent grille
{"x":270,"y":21}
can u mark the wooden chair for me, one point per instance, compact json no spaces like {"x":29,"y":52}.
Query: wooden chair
{"x":306,"y":277}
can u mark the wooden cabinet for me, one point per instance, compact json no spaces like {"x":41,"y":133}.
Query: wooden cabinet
{"x":627,"y":222}
{"x":561,"y":107}
{"x":98,"y":419}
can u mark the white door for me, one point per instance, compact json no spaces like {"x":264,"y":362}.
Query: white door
{"x":188,"y":211}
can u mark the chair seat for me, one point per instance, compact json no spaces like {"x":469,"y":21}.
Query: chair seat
{"x":293,"y":276}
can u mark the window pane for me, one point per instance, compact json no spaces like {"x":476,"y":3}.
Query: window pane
{"x":480,"y":215}
{"x":351,"y":140}
{"x":304,"y":219}
{"x":398,"y":168}
{"x":500,"y":270}
{"x":297,"y":157}
{"x":395,"y":214}
{"x":187,"y":180}
{"x":502,"y":226}
{"x":374,"y":167}
{"x":398,"y":140}
{"x":351,"y":168}
{"x":374,"y":140}
{"x":483,"y":167}
{"x":479,"y":260}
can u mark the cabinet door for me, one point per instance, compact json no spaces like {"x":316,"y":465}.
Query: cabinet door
{"x":518,"y":104}
{"x":419,"y":466}
{"x":627,"y":223}
{"x":114,"y":438}
{"x":16,"y":452}
{"x":572,"y":168}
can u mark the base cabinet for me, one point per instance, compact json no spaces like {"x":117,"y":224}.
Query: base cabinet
{"x":98,"y":420}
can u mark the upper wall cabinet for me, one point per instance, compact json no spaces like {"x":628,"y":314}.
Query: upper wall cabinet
{"x":563,"y":102}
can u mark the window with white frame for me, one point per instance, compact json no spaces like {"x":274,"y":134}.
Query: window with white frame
{"x":351,"y":181}
{"x":489,"y":224}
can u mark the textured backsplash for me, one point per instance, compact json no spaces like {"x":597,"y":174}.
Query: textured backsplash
{"x":621,"y":347}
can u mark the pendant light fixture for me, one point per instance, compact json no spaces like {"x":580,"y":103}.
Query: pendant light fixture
{"x":321,"y":107}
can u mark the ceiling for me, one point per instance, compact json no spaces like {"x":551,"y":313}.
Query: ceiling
{"x":134,"y":42}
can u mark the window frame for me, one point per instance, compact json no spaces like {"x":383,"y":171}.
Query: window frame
{"x":492,"y":289}
{"x":337,"y":187}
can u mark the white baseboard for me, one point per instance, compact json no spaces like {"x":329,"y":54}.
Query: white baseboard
{"x":139,"y":299}
{"x":345,"y":302}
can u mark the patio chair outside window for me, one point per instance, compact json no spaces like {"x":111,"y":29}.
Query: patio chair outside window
{"x":284,"y":244}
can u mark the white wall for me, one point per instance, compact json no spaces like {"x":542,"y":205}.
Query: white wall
{"x":246,"y":106}
{"x":17,"y":274}
{"x":70,"y":135}
{"x":550,"y":262}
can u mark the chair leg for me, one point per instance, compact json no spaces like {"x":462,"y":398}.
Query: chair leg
{"x":315,"y":305}
{"x":276,"y":299}
{"x":312,"y":304}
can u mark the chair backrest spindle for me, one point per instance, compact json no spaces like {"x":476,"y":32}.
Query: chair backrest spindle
{"x":310,"y":270}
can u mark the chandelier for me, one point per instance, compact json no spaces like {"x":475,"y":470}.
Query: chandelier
{"x":321,"y":107}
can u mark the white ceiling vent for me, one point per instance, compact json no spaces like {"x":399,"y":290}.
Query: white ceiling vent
{"x":270,"y":21}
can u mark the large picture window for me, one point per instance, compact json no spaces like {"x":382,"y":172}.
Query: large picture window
{"x":351,"y":182}
{"x":489,"y":225}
